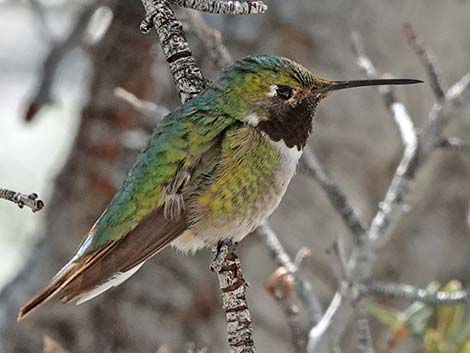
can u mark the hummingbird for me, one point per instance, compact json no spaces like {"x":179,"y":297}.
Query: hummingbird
{"x":214,"y":169}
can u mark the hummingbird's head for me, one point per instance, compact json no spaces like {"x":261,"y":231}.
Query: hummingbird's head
{"x":279,"y":96}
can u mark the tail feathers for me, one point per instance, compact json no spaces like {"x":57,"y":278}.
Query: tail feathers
{"x":88,"y":275}
{"x":47,"y":293}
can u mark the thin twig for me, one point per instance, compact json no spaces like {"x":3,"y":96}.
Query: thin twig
{"x":151,"y":112}
{"x":211,"y":38}
{"x":410,"y":293}
{"x":303,"y":287}
{"x":43,"y":94}
{"x":22,"y":200}
{"x":281,"y":285}
{"x":310,"y":165}
{"x":226,"y":264}
{"x":226,"y":7}
{"x":455,"y":96}
{"x":429,"y":62}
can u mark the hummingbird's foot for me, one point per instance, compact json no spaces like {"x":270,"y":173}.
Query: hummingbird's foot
{"x":220,"y":253}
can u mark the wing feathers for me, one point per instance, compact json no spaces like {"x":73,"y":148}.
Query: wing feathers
{"x":87,"y":273}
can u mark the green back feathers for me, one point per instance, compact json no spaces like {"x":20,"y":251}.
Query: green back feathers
{"x":179,"y":140}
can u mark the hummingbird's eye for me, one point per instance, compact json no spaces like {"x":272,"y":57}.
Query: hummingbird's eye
{"x":284,"y":92}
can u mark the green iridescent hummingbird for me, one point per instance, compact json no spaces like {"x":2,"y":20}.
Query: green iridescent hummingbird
{"x":214,"y":169}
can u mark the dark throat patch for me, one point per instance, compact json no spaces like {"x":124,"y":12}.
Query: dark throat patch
{"x":292,"y":124}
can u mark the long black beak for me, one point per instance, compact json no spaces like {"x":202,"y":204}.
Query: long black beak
{"x":337,"y":85}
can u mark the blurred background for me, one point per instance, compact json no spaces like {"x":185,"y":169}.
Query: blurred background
{"x":77,"y":148}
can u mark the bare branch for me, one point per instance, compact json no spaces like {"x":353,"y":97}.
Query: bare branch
{"x":410,"y":293}
{"x":22,"y":200}
{"x":43,"y":94}
{"x":151,"y":112}
{"x":324,"y":336}
{"x":364,"y":342}
{"x":429,"y":62}
{"x":303,"y":288}
{"x":310,"y":166}
{"x":438,"y":116}
{"x":211,"y":38}
{"x":281,"y":285}
{"x":226,"y":7}
{"x":186,"y":73}
{"x":226,"y":264}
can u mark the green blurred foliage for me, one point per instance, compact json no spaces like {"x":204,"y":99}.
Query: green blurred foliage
{"x":442,"y":329}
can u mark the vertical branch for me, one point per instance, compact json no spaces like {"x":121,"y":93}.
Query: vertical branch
{"x":226,"y":264}
{"x":186,"y":73}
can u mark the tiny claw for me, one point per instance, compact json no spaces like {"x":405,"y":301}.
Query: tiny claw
{"x":20,"y":204}
{"x":33,"y":196}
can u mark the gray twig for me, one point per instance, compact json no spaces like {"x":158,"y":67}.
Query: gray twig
{"x":226,"y":264}
{"x":281,"y":287}
{"x":22,"y":200}
{"x":43,"y":94}
{"x":303,"y":287}
{"x":410,"y":293}
{"x":226,"y":7}
{"x":310,"y":165}
{"x":211,"y":38}
{"x":455,"y":96}
{"x":429,"y":62}
{"x":364,"y":342}
{"x":151,"y":112}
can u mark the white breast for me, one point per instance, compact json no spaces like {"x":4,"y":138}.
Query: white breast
{"x":289,"y":160}
{"x":205,"y":234}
